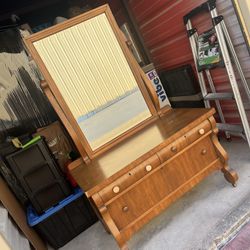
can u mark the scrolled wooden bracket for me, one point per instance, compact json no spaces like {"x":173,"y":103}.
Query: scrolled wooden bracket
{"x":230,"y":175}
{"x":213,"y":125}
{"x":109,"y":221}
{"x":219,"y":149}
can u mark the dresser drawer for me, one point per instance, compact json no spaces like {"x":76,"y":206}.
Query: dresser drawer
{"x":175,"y":147}
{"x":172,"y":149}
{"x":197,"y":132}
{"x":152,"y":190}
{"x":129,"y":178}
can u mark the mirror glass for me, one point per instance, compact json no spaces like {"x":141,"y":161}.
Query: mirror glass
{"x":92,"y":74}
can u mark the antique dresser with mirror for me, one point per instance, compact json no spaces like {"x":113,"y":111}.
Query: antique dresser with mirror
{"x":136,"y":159}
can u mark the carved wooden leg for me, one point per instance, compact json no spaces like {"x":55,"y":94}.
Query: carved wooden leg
{"x":230,"y":175}
{"x":124,"y":247}
{"x":108,"y":222}
{"x":99,"y":215}
{"x":121,"y":243}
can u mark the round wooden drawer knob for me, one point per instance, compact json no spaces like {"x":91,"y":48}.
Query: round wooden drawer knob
{"x":116,"y":189}
{"x":148,"y":168}
{"x":201,"y":131}
{"x":125,"y":209}
{"x":174,"y":149}
{"x":204,"y":151}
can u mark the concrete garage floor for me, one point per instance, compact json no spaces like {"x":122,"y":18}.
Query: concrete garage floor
{"x":195,"y":220}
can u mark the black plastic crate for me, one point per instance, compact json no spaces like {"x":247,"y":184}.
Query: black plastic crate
{"x":8,"y":147}
{"x":180,"y":82}
{"x":192,"y":101}
{"x":13,"y":183}
{"x":62,"y":223}
{"x":39,"y":175}
{"x":187,"y":104}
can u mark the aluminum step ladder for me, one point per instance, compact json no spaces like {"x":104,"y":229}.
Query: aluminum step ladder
{"x":227,"y":49}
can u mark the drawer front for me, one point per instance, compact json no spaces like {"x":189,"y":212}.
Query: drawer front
{"x":197,"y":132}
{"x":172,"y":149}
{"x":194,"y":134}
{"x":130,"y":178}
{"x":147,"y":193}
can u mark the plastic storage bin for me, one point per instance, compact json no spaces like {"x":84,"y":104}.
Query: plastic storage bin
{"x":13,"y":183}
{"x":61,"y":223}
{"x":39,"y":175}
{"x":180,"y":81}
{"x":182,"y":88}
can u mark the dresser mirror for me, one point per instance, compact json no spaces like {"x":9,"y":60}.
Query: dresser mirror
{"x":90,"y":72}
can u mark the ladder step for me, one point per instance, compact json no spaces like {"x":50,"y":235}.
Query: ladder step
{"x":230,"y":127}
{"x":227,"y":53}
{"x":219,"y":96}
{"x":237,"y":130}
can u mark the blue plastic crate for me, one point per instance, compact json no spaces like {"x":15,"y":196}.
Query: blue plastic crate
{"x":34,"y":219}
{"x":61,"y":223}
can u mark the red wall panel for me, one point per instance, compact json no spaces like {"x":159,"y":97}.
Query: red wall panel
{"x":161,"y":25}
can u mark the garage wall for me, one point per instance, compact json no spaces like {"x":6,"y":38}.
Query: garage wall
{"x":162,"y":28}
{"x":116,"y":8}
{"x":23,"y":106}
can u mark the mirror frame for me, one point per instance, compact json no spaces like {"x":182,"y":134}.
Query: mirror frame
{"x":51,"y":90}
{"x":243,"y":20}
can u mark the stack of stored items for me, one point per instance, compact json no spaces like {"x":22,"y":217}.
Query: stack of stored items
{"x":7,"y":148}
{"x":39,"y":175}
{"x":63,"y":222}
{"x":182,"y":87}
{"x":58,"y":142}
{"x":53,"y":210}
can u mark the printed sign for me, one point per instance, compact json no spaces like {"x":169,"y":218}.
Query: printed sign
{"x":162,"y":96}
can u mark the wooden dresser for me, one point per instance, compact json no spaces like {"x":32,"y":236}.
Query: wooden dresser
{"x":137,"y":179}
{"x":136,"y":158}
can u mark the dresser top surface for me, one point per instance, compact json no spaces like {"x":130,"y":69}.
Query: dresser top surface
{"x":167,"y":128}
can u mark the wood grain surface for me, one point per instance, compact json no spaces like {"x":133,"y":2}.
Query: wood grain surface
{"x":136,"y":180}
{"x":134,"y":150}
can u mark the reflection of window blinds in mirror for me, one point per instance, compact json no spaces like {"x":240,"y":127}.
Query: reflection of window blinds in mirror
{"x":88,"y":65}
